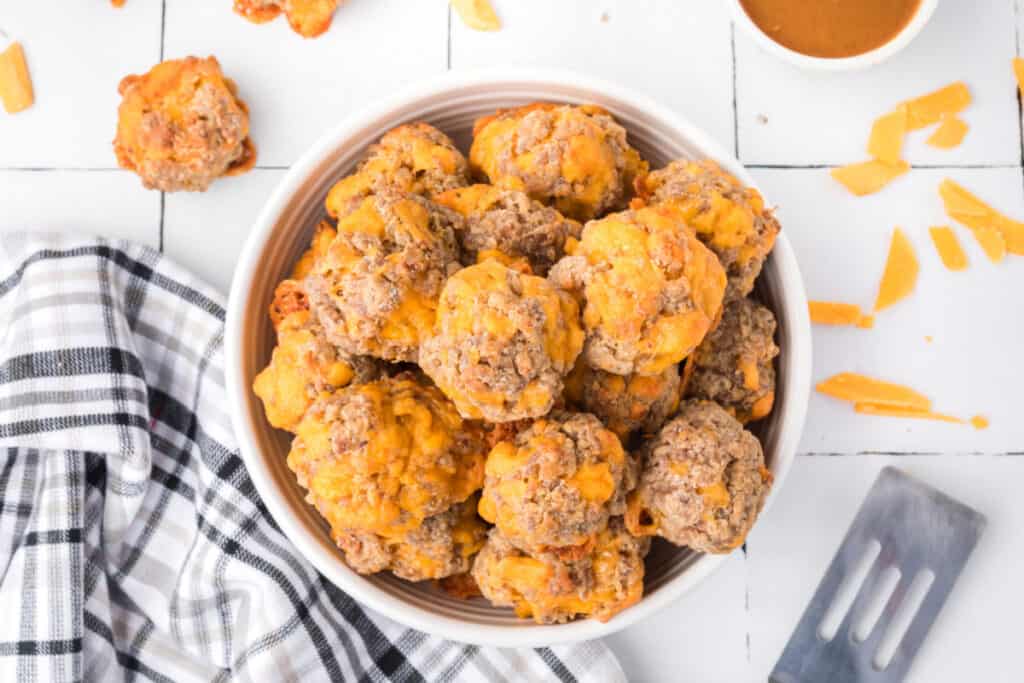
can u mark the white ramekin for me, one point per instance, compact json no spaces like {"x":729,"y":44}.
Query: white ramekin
{"x":282,"y":232}
{"x":861,"y":61}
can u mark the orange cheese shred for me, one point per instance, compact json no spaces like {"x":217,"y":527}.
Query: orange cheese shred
{"x":1018,"y":71}
{"x":886,"y":141}
{"x":859,"y":389}
{"x":900,"y":411}
{"x":868,"y":177}
{"x":949,"y":134}
{"x":477,"y":14}
{"x":992,"y":242}
{"x":900,"y":274}
{"x":948,"y":246}
{"x":965,"y":208}
{"x":929,"y":109}
{"x":979,"y":422}
{"x":15,"y":83}
{"x":834,"y":313}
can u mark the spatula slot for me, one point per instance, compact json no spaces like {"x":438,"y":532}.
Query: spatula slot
{"x":848,"y":589}
{"x":880,"y":594}
{"x":905,"y":614}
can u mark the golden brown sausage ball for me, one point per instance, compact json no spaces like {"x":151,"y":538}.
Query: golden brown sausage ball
{"x":733,"y":365}
{"x":703,"y":481}
{"x":650,"y":290}
{"x":375,"y":290}
{"x":412,"y":159}
{"x":558,"y":483}
{"x":605,"y":579}
{"x":308,"y":18}
{"x":509,"y":222}
{"x":730,"y":218}
{"x":502,"y":342}
{"x":181,"y":125}
{"x":625,"y":403}
{"x":382,"y":457}
{"x":443,"y":545}
{"x":574,"y":158}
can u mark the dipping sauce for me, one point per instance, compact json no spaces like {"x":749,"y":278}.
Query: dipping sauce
{"x":831,"y":28}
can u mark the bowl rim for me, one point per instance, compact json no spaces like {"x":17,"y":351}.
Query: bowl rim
{"x":792,"y":297}
{"x":857,"y":62}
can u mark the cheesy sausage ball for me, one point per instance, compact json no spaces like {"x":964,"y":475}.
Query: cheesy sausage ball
{"x":625,"y":403}
{"x":509,"y":222}
{"x":412,"y":159}
{"x":730,"y":218}
{"x":502,"y":342}
{"x":382,"y":457}
{"x":308,"y":18}
{"x":556,"y":485}
{"x":181,"y":125}
{"x":703,"y":481}
{"x":604,"y":580}
{"x":574,"y":158}
{"x":650,"y":290}
{"x":733,"y":365}
{"x":375,"y":290}
{"x":443,"y":545}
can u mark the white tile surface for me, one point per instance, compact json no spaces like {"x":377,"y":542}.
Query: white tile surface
{"x":702,"y":638}
{"x":825,"y":118}
{"x":77,"y":53}
{"x":298,"y":88}
{"x":972,"y":365}
{"x":678,"y":52}
{"x":109,"y":203}
{"x":205,"y":231}
{"x":976,"y":636}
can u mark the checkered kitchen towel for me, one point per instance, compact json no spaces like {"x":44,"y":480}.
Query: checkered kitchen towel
{"x":132,"y":542}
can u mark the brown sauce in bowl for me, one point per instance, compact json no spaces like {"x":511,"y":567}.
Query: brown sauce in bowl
{"x":831,"y":28}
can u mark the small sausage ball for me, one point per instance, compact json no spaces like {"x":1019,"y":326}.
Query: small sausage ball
{"x":382,"y":457}
{"x":574,"y":158}
{"x":502,"y":342}
{"x":181,"y":125}
{"x":605,"y":579}
{"x":508,"y":221}
{"x":730,"y":218}
{"x":412,"y":159}
{"x":375,"y":291}
{"x":625,"y":403}
{"x":733,"y":365}
{"x":308,"y":18}
{"x":703,"y":481}
{"x":557,"y":483}
{"x":443,"y":545}
{"x":650,"y":290}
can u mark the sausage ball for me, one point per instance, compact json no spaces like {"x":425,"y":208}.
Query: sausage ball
{"x":443,"y":545}
{"x":308,"y":18}
{"x":382,"y":457}
{"x":650,"y":290}
{"x":703,"y":481}
{"x":509,"y":222}
{"x":412,"y":159}
{"x":375,"y":290}
{"x":502,"y":342}
{"x":733,"y":365}
{"x":181,"y":125}
{"x":625,"y":403}
{"x":601,"y":582}
{"x":574,"y":158}
{"x":730,"y":218}
{"x":556,"y":485}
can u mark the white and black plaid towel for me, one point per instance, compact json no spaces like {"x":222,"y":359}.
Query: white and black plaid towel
{"x":132,"y":542}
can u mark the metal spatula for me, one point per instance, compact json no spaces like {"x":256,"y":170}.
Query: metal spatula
{"x":914,"y":529}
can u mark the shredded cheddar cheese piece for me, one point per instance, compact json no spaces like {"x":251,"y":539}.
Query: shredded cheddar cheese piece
{"x":15,"y":83}
{"x":1018,"y":71}
{"x":834,"y":313}
{"x":948,"y":246}
{"x":949,"y":134}
{"x":992,"y":242}
{"x":477,"y":14}
{"x":979,"y":422}
{"x":900,"y":274}
{"x":848,"y":386}
{"x":929,"y":109}
{"x":886,"y":141}
{"x":900,"y":411}
{"x":965,"y":208}
{"x":868,"y":177}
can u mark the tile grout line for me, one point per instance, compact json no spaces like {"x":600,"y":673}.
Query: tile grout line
{"x":163,"y":195}
{"x":448,"y":43}
{"x":735,"y":108}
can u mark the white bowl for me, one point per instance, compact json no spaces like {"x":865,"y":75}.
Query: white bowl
{"x":282,"y":232}
{"x":861,"y":61}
